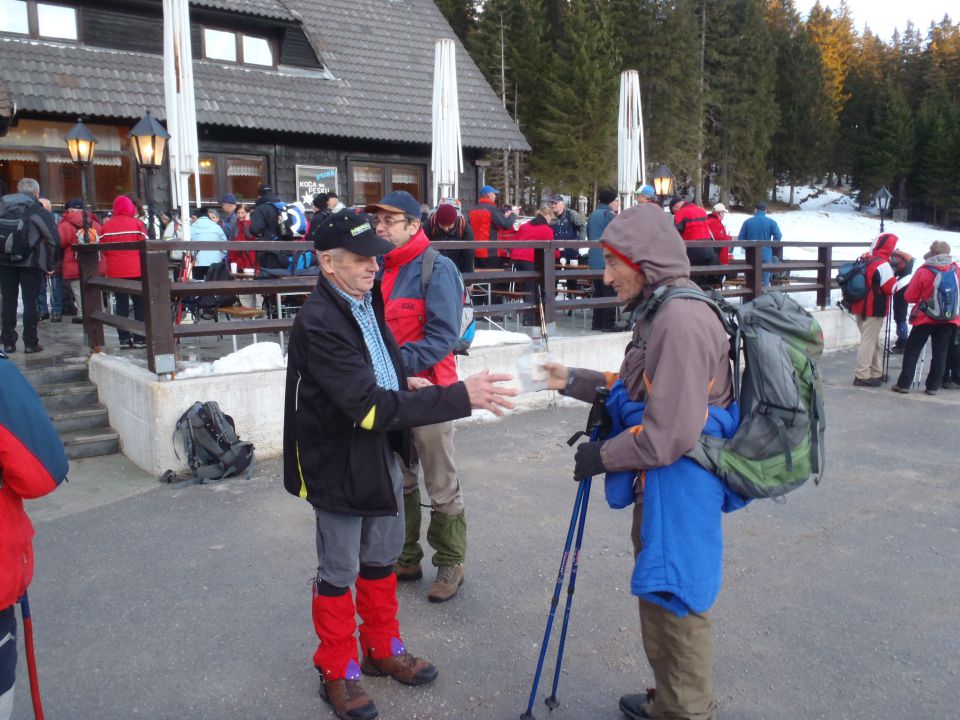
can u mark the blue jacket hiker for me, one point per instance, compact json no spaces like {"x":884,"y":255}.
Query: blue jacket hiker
{"x":674,"y":376}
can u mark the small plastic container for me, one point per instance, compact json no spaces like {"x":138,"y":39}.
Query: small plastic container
{"x":530,"y":371}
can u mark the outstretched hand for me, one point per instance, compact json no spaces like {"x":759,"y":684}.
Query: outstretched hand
{"x":486,"y":394}
{"x":557,"y":374}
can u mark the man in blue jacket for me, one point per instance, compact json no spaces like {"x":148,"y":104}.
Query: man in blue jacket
{"x":760,"y":228}
{"x":606,"y":210}
{"x":348,"y":411}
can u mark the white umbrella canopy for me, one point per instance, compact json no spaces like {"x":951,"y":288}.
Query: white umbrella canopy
{"x":447,"y":160}
{"x":630,"y":152}
{"x":181,"y":107}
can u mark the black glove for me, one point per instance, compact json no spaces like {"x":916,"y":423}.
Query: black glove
{"x":588,"y":462}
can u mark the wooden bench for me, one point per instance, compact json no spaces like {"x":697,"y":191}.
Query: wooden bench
{"x":238,"y":312}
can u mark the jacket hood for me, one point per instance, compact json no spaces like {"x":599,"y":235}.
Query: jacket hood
{"x":884,"y":245}
{"x":17,"y":199}
{"x":74,"y":216}
{"x":124,"y":206}
{"x":646,"y":236}
{"x":939,"y":261}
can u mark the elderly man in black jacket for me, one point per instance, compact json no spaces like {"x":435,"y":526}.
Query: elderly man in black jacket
{"x":23,"y":274}
{"x":349,"y":407}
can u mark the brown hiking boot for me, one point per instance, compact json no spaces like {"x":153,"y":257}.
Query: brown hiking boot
{"x":348,"y":699}
{"x":402,"y":667}
{"x":448,"y":582}
{"x":409,"y":573}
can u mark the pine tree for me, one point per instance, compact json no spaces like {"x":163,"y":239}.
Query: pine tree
{"x":803,"y":136}
{"x":660,"y":39}
{"x":461,"y":14}
{"x":741,"y":106}
{"x":579,"y":134}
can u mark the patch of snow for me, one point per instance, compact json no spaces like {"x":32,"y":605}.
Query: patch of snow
{"x":252,"y":358}
{"x":492,"y":338}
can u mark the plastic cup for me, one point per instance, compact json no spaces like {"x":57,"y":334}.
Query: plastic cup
{"x":531,"y":372}
{"x":233,"y":268}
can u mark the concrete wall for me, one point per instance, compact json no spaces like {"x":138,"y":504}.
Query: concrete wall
{"x":144,"y":411}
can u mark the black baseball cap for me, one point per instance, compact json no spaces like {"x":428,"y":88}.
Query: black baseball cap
{"x":351,"y":231}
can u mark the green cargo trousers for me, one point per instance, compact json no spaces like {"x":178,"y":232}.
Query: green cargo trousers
{"x":680,"y":651}
{"x":447,"y":534}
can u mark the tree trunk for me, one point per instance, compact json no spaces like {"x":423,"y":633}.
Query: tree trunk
{"x":698,"y":192}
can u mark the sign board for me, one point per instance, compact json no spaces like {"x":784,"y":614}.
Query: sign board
{"x":313,"y":179}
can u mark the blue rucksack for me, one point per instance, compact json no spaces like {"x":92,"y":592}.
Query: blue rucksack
{"x":942,"y":303}
{"x":468,"y":323}
{"x":852,"y":279}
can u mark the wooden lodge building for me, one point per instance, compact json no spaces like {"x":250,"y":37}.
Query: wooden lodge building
{"x":307,"y":95}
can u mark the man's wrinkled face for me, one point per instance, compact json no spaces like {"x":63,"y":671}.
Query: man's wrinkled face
{"x":626,"y":282}
{"x":352,"y":273}
{"x":396,"y":228}
{"x":558,"y":206}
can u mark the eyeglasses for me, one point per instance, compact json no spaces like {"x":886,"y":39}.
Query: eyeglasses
{"x":388,"y":221}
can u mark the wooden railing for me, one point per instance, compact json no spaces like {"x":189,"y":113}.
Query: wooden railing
{"x":159,"y":291}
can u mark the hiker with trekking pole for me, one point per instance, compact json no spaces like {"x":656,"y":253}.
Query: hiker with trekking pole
{"x":32,"y":464}
{"x":675,"y":373}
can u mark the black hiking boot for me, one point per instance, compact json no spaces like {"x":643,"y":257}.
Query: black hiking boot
{"x":638,"y":705}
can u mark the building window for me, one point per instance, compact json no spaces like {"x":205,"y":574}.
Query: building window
{"x":234,"y":47}
{"x":14,"y":17}
{"x":56,"y":21}
{"x":371,"y":181}
{"x":222,"y":173}
{"x":38,"y":19}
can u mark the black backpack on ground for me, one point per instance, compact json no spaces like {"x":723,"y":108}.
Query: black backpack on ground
{"x":15,"y":232}
{"x":210,"y":445}
{"x":219,"y":271}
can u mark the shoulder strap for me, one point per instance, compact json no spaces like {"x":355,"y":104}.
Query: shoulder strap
{"x":429,"y":258}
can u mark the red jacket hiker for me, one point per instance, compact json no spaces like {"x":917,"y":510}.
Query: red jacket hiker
{"x":123,"y":226}
{"x":68,"y":228}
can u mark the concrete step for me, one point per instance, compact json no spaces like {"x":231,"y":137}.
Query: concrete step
{"x":57,"y":374}
{"x":61,"y":396}
{"x":81,"y":418}
{"x":89,"y":443}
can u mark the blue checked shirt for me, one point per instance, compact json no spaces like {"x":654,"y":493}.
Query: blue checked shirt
{"x":363,"y":313}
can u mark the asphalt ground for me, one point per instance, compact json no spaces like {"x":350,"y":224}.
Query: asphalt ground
{"x":160,"y":602}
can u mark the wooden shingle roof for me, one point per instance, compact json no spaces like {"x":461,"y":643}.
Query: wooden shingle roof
{"x":377,"y":85}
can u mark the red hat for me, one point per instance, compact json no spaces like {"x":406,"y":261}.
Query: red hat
{"x":446,"y":215}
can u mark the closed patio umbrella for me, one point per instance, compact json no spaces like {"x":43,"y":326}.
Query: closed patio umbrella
{"x":447,"y":158}
{"x":630,"y":152}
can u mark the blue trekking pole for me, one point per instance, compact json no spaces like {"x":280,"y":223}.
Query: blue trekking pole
{"x":596,"y":425}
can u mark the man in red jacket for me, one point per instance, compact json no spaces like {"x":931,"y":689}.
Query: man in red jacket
{"x":691,"y":222}
{"x":123,"y":226}
{"x":426,"y":323}
{"x":871,"y":311}
{"x":70,"y":230}
{"x":32,"y":464}
{"x":929,"y":320}
{"x":487,"y":220}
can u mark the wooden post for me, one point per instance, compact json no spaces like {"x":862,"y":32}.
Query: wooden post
{"x":755,"y":274}
{"x":91,"y":299}
{"x":544,"y":264}
{"x":157,"y":316}
{"x":824,"y":275}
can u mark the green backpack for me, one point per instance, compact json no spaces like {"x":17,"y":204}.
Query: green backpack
{"x":775,"y":344}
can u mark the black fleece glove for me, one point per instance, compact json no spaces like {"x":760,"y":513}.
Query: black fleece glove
{"x":588,"y":462}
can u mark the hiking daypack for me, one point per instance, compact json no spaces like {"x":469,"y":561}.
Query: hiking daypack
{"x":941,"y":305}
{"x":219,"y":271}
{"x":15,"y":244}
{"x":779,"y":443}
{"x":901,"y":262}
{"x":210,"y":443}
{"x":291,"y":221}
{"x":468,"y":323}
{"x":90,"y":236}
{"x":852,"y":279}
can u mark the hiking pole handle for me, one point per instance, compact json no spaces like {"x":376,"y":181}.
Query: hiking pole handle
{"x":598,"y":422}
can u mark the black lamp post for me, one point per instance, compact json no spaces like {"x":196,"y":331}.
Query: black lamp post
{"x":149,"y":142}
{"x":81,"y":144}
{"x":883,"y":202}
{"x":663,"y":183}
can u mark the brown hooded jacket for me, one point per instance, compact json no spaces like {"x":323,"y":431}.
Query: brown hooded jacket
{"x":684,"y":364}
